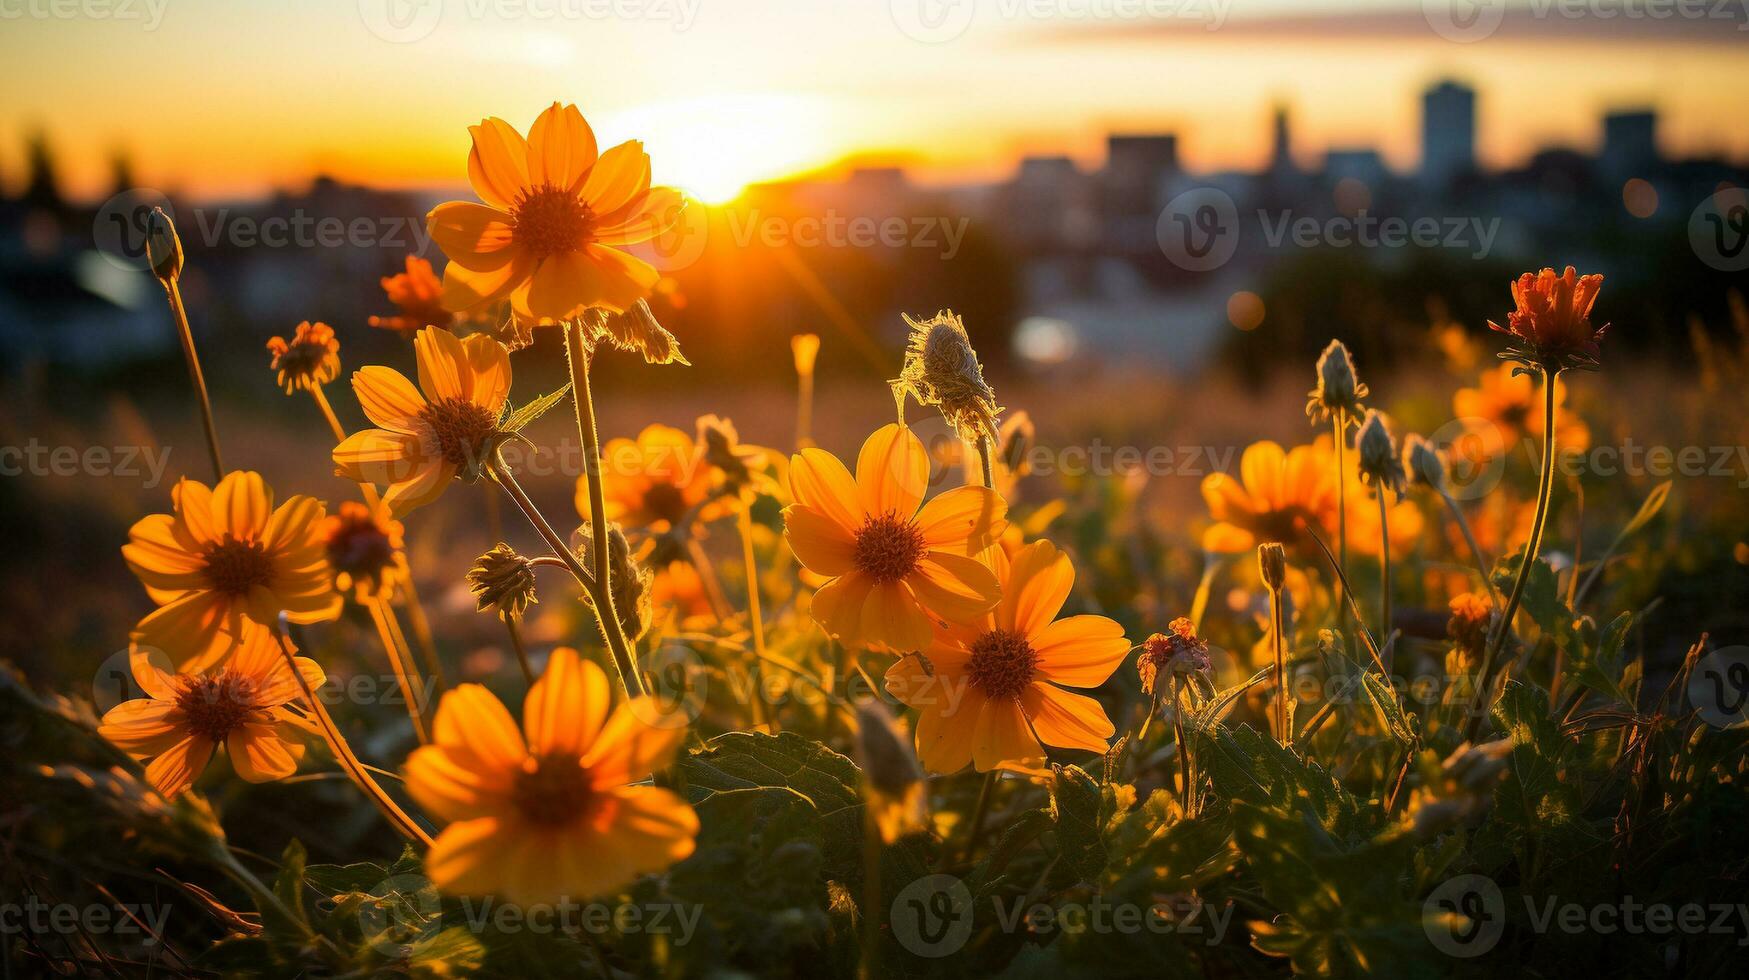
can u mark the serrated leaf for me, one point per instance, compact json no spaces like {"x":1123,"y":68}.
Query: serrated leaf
{"x":1209,"y":714}
{"x":1076,"y":799}
{"x":516,"y":420}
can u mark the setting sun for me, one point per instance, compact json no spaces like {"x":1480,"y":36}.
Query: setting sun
{"x":712,"y":147}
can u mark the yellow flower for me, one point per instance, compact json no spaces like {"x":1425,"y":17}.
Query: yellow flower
{"x":364,"y":546}
{"x":239,"y":705}
{"x":225,"y":561}
{"x":546,"y":813}
{"x":1506,"y":407}
{"x":309,"y":360}
{"x":1407,"y":523}
{"x":419,"y":295}
{"x":423,"y":441}
{"x":895,"y":569}
{"x":1276,"y":493}
{"x":679,"y":586}
{"x":990,"y":692}
{"x":653,"y":482}
{"x":548,"y":236}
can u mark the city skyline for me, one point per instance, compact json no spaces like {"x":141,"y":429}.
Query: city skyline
{"x":764,"y":107}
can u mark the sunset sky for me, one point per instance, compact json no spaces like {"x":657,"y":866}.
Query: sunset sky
{"x":227,"y":98}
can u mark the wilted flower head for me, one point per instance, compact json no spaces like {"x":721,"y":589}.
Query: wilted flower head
{"x":503,"y":581}
{"x":942,"y":369}
{"x":310,"y":359}
{"x":1380,"y":467}
{"x":1178,"y":650}
{"x":1424,"y":463}
{"x":632,"y":583}
{"x":1552,"y":320}
{"x":636,"y":330}
{"x":892,"y":778}
{"x":736,"y":463}
{"x":1339,"y":392}
{"x":1272,"y":565}
{"x":1472,"y":618}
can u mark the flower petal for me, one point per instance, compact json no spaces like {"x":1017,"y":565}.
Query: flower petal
{"x":1039,"y":580}
{"x":652,"y":828}
{"x":1080,"y":651}
{"x":819,"y":542}
{"x":488,"y":372}
{"x":454,"y":785}
{"x":1066,"y":720}
{"x":472,"y":721}
{"x":389,"y":400}
{"x":259,"y":753}
{"x":638,"y":739}
{"x":498,"y":163}
{"x":837,"y":607}
{"x":443,"y":364}
{"x":176,"y":768}
{"x":893,"y":618}
{"x":143,"y":728}
{"x":561,"y":148}
{"x":565,"y":709}
{"x":425,"y":485}
{"x":954,"y":587}
{"x":817,"y":480}
{"x":468,"y":289}
{"x":242,"y":504}
{"x":1003,"y":736}
{"x":947,"y":727}
{"x":378,"y":456}
{"x":964,"y":520}
{"x":474,"y":236}
{"x":892,"y":471}
{"x":622,"y":173}
{"x":642,"y":220}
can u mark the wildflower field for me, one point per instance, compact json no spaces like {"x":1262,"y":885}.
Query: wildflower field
{"x":1429,"y":675}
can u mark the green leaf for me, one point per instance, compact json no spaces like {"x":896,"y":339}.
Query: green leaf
{"x":1246,"y":765}
{"x":288,"y":886}
{"x":1209,"y":714}
{"x":1533,"y":797}
{"x":1390,"y":709}
{"x":515,"y":420}
{"x":1076,"y":800}
{"x":1649,"y":509}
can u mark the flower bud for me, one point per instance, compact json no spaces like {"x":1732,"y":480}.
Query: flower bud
{"x":502,"y":581}
{"x":942,"y":369}
{"x":804,"y":347}
{"x":1380,"y":467}
{"x":1339,"y":392}
{"x":163,"y":247}
{"x":1425,"y":464}
{"x":1272,"y":565}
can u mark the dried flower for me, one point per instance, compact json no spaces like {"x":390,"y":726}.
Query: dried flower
{"x":632,"y":583}
{"x":1339,"y":392}
{"x":1272,"y":565}
{"x":942,"y":369}
{"x":309,"y":360}
{"x":1424,"y":463}
{"x":635,"y":330}
{"x":503,"y":581}
{"x":1553,"y":321}
{"x":1380,"y":467}
{"x":1179,"y":650}
{"x":1472,"y":619}
{"x":736,"y":464}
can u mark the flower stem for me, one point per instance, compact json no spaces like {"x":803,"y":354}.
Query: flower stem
{"x":173,"y":293}
{"x":515,"y":630}
{"x":755,"y":615}
{"x":804,"y":410}
{"x":355,"y":770}
{"x":869,"y":966}
{"x":1183,"y":746}
{"x":1532,"y":546}
{"x":1339,"y":422}
{"x":578,"y":357}
{"x":980,"y":810}
{"x":1276,"y":628}
{"x":401,"y":659}
{"x":1385,"y":579}
{"x":1470,"y":539}
{"x":985,"y":456}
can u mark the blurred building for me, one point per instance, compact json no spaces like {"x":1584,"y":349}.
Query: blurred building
{"x":1448,"y":133}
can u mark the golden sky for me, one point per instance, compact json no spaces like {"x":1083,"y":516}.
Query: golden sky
{"x":220,"y":98}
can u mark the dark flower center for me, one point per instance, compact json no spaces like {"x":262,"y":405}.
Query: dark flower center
{"x":235,"y":567}
{"x":216,"y":706}
{"x":552,"y":221}
{"x":360,"y":549}
{"x":303,"y":357}
{"x":461,"y":428}
{"x":1002,"y":664}
{"x":888,"y":547}
{"x":552,"y":790}
{"x":665,"y":501}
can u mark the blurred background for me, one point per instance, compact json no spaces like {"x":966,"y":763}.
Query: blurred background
{"x":1151,"y":213}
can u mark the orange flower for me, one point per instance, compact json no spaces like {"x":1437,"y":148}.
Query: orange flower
{"x":309,"y":360}
{"x":989,"y":693}
{"x":653,"y":482}
{"x":225,"y":562}
{"x":1407,"y":522}
{"x":425,"y":441}
{"x":548,"y":236}
{"x":545,"y":813}
{"x":895,"y":569}
{"x":240,"y":705}
{"x":1276,"y":491}
{"x":1505,"y":408}
{"x":419,"y":294}
{"x":364,"y":547}
{"x":678,"y":585}
{"x":1553,"y":320}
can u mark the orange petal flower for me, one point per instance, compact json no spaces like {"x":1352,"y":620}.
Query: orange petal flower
{"x":240,"y":705}
{"x":993,"y":686}
{"x":309,"y":360}
{"x":1553,"y":320}
{"x":556,"y":213}
{"x":364,"y":547}
{"x":419,"y":295}
{"x":427,"y":436}
{"x":897,"y":565}
{"x":545,"y":812}
{"x":227,"y":557}
{"x":1505,"y":408}
{"x":653,"y":481}
{"x":1276,"y":492}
